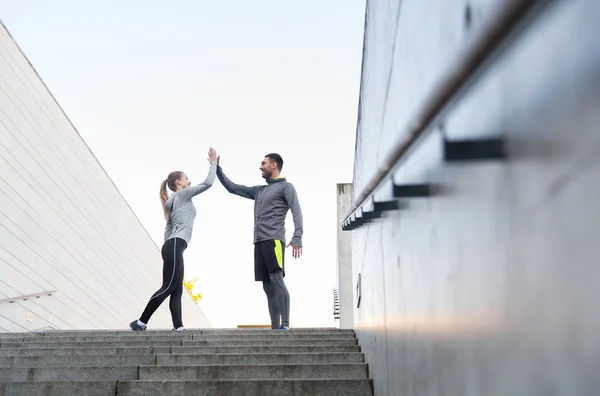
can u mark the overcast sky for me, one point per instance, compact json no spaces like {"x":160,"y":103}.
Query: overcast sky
{"x":150,"y":87}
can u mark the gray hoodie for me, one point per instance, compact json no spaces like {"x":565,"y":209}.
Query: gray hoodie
{"x":271,"y":204}
{"x":181,"y":209}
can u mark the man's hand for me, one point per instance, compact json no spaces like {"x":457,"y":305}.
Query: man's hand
{"x":296,"y":250}
{"x":212,"y":155}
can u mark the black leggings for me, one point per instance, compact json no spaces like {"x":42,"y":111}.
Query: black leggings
{"x":172,"y":254}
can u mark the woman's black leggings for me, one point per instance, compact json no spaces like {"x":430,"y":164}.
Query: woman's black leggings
{"x":172,"y":254}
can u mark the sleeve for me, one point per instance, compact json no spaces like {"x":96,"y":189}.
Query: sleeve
{"x":237,"y":189}
{"x":192,"y":191}
{"x":292,"y":199}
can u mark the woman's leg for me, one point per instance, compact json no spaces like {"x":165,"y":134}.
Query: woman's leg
{"x":172,"y":261}
{"x":175,"y":300}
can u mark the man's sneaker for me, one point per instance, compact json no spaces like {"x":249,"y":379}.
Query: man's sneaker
{"x":136,"y":325}
{"x":284,"y":327}
{"x":179,"y":329}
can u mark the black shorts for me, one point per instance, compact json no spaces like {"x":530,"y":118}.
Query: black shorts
{"x":268,"y":257}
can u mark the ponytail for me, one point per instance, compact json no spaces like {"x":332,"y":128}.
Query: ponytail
{"x":163,"y":197}
{"x":170,"y":182}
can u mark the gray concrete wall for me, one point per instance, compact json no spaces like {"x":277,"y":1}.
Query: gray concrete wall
{"x":491,"y":287}
{"x":345,"y":284}
{"x":63,"y":224}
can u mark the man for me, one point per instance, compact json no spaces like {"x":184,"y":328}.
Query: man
{"x":271,"y":204}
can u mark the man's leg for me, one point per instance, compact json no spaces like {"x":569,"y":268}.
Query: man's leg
{"x":282,"y":296}
{"x":274,"y":310}
{"x":263,"y":258}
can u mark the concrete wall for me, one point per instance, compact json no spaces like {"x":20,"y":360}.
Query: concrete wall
{"x":345,"y":283}
{"x":64,"y":226}
{"x":491,"y":286}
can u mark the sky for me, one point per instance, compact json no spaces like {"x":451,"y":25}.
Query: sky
{"x":151,"y":87}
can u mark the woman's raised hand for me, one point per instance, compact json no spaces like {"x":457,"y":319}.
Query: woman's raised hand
{"x":212,"y":155}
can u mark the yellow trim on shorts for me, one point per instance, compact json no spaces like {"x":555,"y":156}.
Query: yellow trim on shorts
{"x":279,"y":253}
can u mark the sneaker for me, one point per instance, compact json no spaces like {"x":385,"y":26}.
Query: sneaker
{"x":136,"y":325}
{"x":179,"y":329}
{"x":284,"y":327}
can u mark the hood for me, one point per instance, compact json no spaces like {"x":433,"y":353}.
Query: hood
{"x":276,"y":180}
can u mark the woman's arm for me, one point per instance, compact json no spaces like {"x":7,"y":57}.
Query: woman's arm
{"x":192,"y":191}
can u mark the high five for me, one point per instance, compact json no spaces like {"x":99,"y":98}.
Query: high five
{"x":272,"y":202}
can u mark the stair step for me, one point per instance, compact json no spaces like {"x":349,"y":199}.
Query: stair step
{"x":259,"y":358}
{"x":50,"y":340}
{"x":77,"y":361}
{"x":264,"y":349}
{"x":258,"y":371}
{"x":227,"y":332}
{"x":179,"y":360}
{"x":37,"y":374}
{"x":310,"y":387}
{"x":92,"y":344}
{"x":62,"y":388}
{"x":269,"y":331}
{"x":136,"y":343}
{"x":179,"y":350}
{"x":86,"y":351}
{"x":178,"y":337}
{"x":169,"y":373}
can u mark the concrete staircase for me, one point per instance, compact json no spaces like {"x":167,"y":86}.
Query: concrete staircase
{"x":311,"y":362}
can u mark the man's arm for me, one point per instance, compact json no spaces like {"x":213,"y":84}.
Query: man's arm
{"x":237,"y":189}
{"x":292,"y":199}
{"x":192,"y":191}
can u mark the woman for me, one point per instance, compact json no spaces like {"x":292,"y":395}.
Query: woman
{"x":179,"y":213}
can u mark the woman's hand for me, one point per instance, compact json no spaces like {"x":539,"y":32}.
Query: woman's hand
{"x":212,"y":155}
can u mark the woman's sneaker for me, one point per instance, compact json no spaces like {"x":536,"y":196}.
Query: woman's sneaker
{"x":179,"y":329}
{"x":136,"y":325}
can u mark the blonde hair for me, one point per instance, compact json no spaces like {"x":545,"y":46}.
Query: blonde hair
{"x":171,"y":182}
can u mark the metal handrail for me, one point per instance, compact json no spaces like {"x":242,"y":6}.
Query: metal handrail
{"x":456,"y":79}
{"x":27,"y":296}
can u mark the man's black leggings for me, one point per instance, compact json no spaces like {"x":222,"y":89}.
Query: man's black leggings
{"x":172,"y":254}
